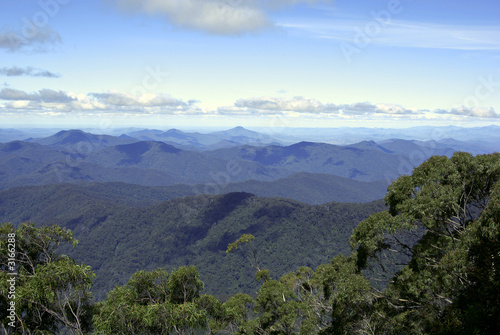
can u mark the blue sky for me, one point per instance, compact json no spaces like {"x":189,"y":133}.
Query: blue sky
{"x":186,"y":63}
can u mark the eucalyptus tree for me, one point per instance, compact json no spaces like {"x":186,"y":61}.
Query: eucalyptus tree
{"x":51,"y":291}
{"x":444,"y":219}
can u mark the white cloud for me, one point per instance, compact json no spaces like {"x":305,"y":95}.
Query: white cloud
{"x":119,"y":103}
{"x":222,"y":17}
{"x":299,"y":104}
{"x":394,"y":109}
{"x":475,"y":112}
{"x":145,"y":100}
{"x":110,"y":102}
{"x":44,"y":95}
{"x":213,"y":16}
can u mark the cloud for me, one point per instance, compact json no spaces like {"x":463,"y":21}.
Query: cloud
{"x":394,"y":110}
{"x":146,"y":100}
{"x":476,"y":112}
{"x":118,"y":103}
{"x":110,"y":102}
{"x":44,"y":95}
{"x":29,"y":71}
{"x":366,"y":108}
{"x":30,"y":38}
{"x":308,"y":105}
{"x":299,"y":104}
{"x":221,"y":17}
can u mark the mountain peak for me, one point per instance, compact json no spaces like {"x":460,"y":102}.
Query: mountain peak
{"x":69,"y":132}
{"x":72,"y":136}
{"x":239,"y":130}
{"x":173,"y":130}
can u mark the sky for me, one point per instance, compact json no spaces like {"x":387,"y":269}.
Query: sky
{"x":252,"y":63}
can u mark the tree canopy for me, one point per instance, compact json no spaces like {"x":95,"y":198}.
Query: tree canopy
{"x":445,"y":217}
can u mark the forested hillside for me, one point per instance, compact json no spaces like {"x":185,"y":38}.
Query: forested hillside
{"x":118,"y":238}
{"x":310,"y":188}
{"x":448,"y":283}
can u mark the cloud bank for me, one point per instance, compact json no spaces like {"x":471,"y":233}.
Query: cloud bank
{"x":14,"y":101}
{"x":59,"y":102}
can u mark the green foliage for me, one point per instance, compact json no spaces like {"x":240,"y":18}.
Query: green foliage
{"x":184,"y":285}
{"x":158,"y":303}
{"x":245,"y":238}
{"x":52,"y":291}
{"x":332,"y":300}
{"x":445,"y":217}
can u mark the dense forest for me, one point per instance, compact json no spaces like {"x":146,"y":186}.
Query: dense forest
{"x":125,"y":228}
{"x":440,"y":229}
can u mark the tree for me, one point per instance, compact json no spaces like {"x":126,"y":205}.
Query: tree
{"x":51,"y":291}
{"x":443,"y":217}
{"x":158,"y":303}
{"x":137,"y":307}
{"x":250,"y":253}
{"x":184,"y":285}
{"x":474,"y":266}
{"x":329,"y":301}
{"x":345,"y":299}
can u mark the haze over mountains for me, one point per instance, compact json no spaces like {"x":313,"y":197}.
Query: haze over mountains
{"x":487,"y":135}
{"x":233,"y":160}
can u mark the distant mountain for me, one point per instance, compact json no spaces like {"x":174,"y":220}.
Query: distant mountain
{"x":349,"y":135}
{"x":8,"y":135}
{"x":314,"y":188}
{"x":244,"y":136}
{"x":367,"y":164}
{"x":443,"y":147}
{"x":19,"y":158}
{"x":190,"y":167}
{"x":420,"y":150}
{"x":117,"y":240}
{"x":208,"y":140}
{"x":370,"y":145}
{"x":81,"y":142}
{"x":22,"y":134}
{"x":197,"y":141}
{"x":145,"y":163}
{"x":75,"y":155}
{"x":145,"y":134}
{"x":475,"y":148}
{"x":25,"y":163}
{"x":62,"y":172}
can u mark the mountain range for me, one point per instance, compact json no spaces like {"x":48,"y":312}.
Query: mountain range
{"x":487,"y":137}
{"x":78,"y":156}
